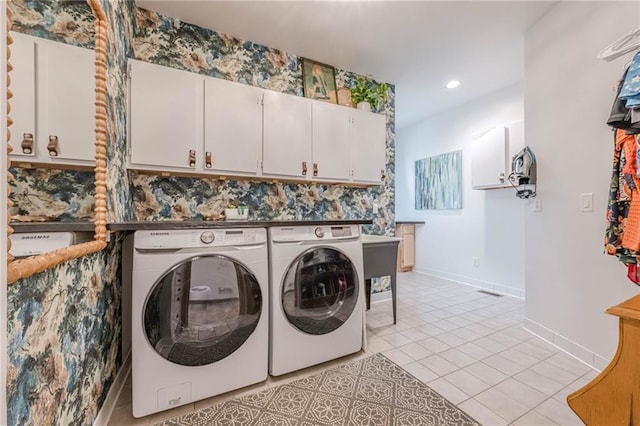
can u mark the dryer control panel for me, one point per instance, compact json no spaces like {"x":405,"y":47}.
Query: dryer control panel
{"x":197,"y":238}
{"x":315,"y":233}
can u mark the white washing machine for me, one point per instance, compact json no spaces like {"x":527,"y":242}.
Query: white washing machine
{"x":317,"y":295}
{"x":199,"y":314}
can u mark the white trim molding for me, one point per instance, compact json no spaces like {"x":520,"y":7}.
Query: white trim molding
{"x":472,"y":282}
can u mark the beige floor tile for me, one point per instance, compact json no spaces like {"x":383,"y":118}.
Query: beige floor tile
{"x":558,"y":412}
{"x":451,"y":339}
{"x":502,"y":404}
{"x":449,"y":391}
{"x":520,"y":392}
{"x":457,"y":357}
{"x":503,"y":364}
{"x":539,"y":382}
{"x":482,"y":413}
{"x":467,"y":382}
{"x":534,"y":419}
{"x":420,"y":372}
{"x":474,"y":351}
{"x":416,"y":351}
{"x":434,"y":345}
{"x":438,"y":365}
{"x":568,"y":363}
{"x":414,"y":334}
{"x":486,"y":373}
{"x":555,"y":373}
{"x":378,"y":344}
{"x":396,"y":340}
{"x":397,"y":356}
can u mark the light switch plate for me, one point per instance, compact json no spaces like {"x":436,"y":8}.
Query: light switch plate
{"x":586,"y":202}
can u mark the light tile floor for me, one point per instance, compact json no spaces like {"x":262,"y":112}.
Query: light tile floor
{"x":467,"y":345}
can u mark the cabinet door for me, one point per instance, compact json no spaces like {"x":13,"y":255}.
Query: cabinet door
{"x":489,"y":159}
{"x":331,"y":133}
{"x":368,"y":154}
{"x":165,"y":117}
{"x":408,"y":252}
{"x":232,"y":127}
{"x":287,"y":135}
{"x":66,"y":102}
{"x":23,"y":103}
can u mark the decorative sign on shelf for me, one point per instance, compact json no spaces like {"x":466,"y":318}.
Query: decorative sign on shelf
{"x":439,"y":182}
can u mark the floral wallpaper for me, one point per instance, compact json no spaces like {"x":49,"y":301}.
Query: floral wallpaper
{"x":64,"y":324}
{"x":64,"y":329}
{"x":170,"y":42}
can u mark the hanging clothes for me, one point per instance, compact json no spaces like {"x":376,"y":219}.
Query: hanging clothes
{"x":623,"y":208}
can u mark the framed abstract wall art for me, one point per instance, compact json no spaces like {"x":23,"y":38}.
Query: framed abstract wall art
{"x":439,"y":182}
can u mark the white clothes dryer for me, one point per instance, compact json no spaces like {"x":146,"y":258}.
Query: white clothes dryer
{"x":199,"y":314}
{"x":317,"y":295}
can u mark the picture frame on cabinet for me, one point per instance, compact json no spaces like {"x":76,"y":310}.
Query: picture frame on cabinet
{"x":319,"y":81}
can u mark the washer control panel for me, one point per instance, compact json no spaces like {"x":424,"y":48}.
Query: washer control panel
{"x":194,"y":238}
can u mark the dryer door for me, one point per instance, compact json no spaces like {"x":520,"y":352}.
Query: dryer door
{"x":320,"y":290}
{"x":202,"y":310}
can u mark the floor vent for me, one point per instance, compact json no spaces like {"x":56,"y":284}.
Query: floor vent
{"x":490,"y":293}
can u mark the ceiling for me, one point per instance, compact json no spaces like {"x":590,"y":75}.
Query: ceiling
{"x":416,"y":45}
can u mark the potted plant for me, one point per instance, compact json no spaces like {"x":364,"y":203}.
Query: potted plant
{"x":366,"y":94}
{"x":235,"y":211}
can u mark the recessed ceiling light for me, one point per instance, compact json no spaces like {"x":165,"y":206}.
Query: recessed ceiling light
{"x":453,"y":84}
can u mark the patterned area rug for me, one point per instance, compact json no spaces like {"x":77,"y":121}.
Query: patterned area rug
{"x":365,"y":392}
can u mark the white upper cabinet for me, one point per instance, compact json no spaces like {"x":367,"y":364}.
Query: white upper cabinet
{"x":491,"y":155}
{"x":286,"y":136}
{"x":232,"y":127}
{"x":67,"y":107}
{"x":23,"y":103}
{"x":181,"y":121}
{"x":331,"y":141}
{"x":53,"y":107}
{"x":165,"y":117}
{"x":368,"y":154}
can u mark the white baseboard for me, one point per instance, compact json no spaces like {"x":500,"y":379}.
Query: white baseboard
{"x":472,"y":282}
{"x":102,"y":419}
{"x":568,"y":346}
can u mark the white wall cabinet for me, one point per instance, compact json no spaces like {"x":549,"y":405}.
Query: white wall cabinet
{"x":491,"y":155}
{"x":331,"y":141}
{"x":165,"y":107}
{"x":232,"y":127}
{"x":286,"y":136}
{"x":53,"y":104}
{"x":368,"y":147}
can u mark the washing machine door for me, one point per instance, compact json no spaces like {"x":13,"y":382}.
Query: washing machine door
{"x":319,"y":291}
{"x":202,"y":310}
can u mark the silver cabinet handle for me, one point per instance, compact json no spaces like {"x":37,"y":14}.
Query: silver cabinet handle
{"x":192,"y":158}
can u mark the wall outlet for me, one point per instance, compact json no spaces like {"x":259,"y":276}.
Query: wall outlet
{"x":537,"y":204}
{"x":476,"y":262}
{"x":375,"y":205}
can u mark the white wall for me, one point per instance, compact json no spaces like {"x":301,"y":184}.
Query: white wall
{"x":568,"y":96}
{"x":491,"y":223}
